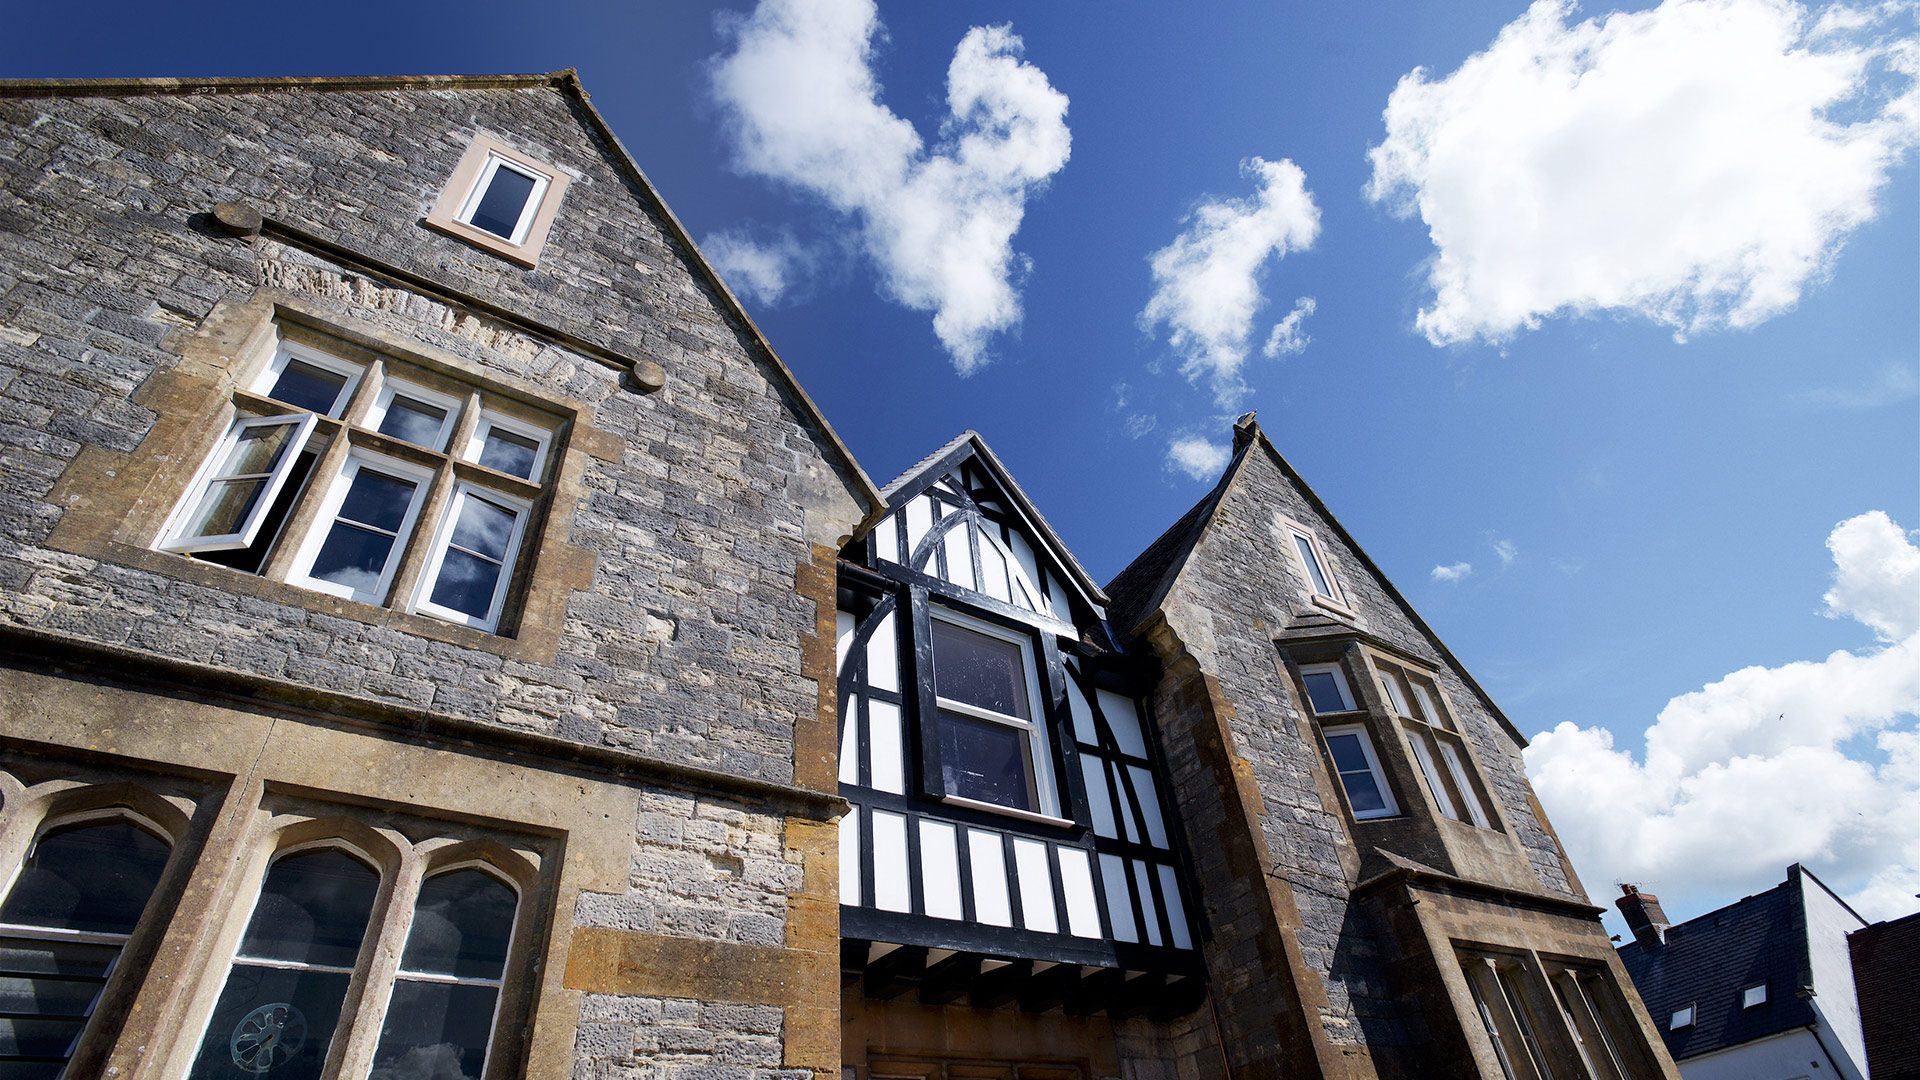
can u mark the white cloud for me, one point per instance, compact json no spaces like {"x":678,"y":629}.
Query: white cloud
{"x":1286,"y":338}
{"x":1698,"y":164}
{"x":763,"y":271}
{"x":1198,"y":458}
{"x":1766,"y":766}
{"x":1207,"y":282}
{"x":1893,"y":385}
{"x":1507,"y":551}
{"x":1450,"y":574}
{"x":938,"y":222}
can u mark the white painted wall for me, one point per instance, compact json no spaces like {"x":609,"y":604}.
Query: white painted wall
{"x":1792,"y":1055}
{"x":1828,"y":924}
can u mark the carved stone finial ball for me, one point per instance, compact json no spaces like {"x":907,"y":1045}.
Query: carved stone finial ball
{"x":648,"y":376}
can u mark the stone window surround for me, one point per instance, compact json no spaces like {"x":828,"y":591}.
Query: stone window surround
{"x":1290,"y":528}
{"x":117,"y":504}
{"x":445,"y":215}
{"x":1588,"y":1026}
{"x":1359,"y":665}
{"x":283,"y":824}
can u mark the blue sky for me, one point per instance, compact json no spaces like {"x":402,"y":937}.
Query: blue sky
{"x":1642,"y":515}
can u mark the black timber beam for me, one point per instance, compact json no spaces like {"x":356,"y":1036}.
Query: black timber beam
{"x":950,"y":980}
{"x":895,"y":973}
{"x":1049,"y":989}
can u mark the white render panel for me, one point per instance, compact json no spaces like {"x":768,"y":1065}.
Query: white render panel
{"x":1036,"y":885}
{"x":1124,"y":722}
{"x":883,"y":656}
{"x":1029,"y":568}
{"x":1176,"y":907}
{"x":891,"y":891}
{"x":850,"y":859}
{"x":939,"y":869}
{"x":1149,"y":913}
{"x":1098,"y":801}
{"x":1076,"y":885}
{"x":959,"y":558}
{"x":886,"y":539}
{"x":1083,"y":727}
{"x":850,"y":741}
{"x":993,"y":570}
{"x":1057,"y":597}
{"x":991,"y":904}
{"x":843,"y":627}
{"x":919,"y":520}
{"x":1149,"y":797}
{"x":1113,"y":877}
{"x":887,"y":760}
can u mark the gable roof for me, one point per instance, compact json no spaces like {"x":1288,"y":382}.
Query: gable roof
{"x":1707,"y":961}
{"x":968,"y":445}
{"x":1143,"y":585}
{"x":566,"y":82}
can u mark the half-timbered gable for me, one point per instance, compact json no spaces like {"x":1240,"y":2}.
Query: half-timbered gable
{"x":1008,"y":800}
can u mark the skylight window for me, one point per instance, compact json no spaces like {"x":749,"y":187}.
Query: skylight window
{"x":1753,"y":995}
{"x":1681,"y":1018}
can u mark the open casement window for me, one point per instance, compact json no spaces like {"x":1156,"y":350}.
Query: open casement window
{"x":446,"y":996}
{"x":67,"y":915}
{"x":286,"y":990}
{"x":1359,"y":769}
{"x":376,"y":481}
{"x":993,"y":752}
{"x":1434,"y":740}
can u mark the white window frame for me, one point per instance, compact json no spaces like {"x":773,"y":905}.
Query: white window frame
{"x":1339,"y":674}
{"x":443,"y":540}
{"x":1457,"y":767}
{"x":529,"y":210}
{"x":287,"y":351}
{"x":1392,"y":688}
{"x":1427,"y":706}
{"x":203,"y":481}
{"x":499,"y":985}
{"x":1392,"y":807}
{"x":1753,"y":996}
{"x":328,"y":515}
{"x":1298,"y":534}
{"x":490,"y":419}
{"x":1039,"y":747}
{"x":1423,"y":756}
{"x":391,"y":388}
{"x":1682,"y":1018}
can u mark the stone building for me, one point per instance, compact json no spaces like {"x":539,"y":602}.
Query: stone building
{"x":438,"y":638}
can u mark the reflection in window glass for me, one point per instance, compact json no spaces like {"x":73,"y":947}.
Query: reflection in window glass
{"x":511,"y":453}
{"x":1326,"y":691}
{"x":281,"y":1003}
{"x":414,"y":421}
{"x":499,"y":209}
{"x":1353,"y":759}
{"x":309,"y":387}
{"x":365,"y":532}
{"x":441,"y":1017}
{"x":978,"y":670}
{"x":77,"y":898}
{"x":475,"y":558}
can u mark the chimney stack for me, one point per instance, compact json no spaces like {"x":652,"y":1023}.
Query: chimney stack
{"x":1243,"y":430}
{"x":1644,"y":917}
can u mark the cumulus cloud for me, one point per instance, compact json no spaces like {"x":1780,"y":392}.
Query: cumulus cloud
{"x":1815,"y":761}
{"x":938,"y":221}
{"x":1447,"y":575}
{"x":1207,"y":282}
{"x":1287,"y":338}
{"x":1698,"y":164}
{"x":1198,"y":458}
{"x":758,"y":270}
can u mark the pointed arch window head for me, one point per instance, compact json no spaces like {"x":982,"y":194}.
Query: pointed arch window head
{"x":77,"y":899}
{"x":446,"y":995}
{"x":287,"y":986}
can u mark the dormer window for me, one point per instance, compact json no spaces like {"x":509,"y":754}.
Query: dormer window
{"x":500,"y":199}
{"x":991,"y":751}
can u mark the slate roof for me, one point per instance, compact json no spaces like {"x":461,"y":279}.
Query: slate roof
{"x":1708,"y":961}
{"x":1886,"y":974}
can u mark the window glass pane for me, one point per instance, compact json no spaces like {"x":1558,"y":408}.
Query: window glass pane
{"x":506,"y":196}
{"x":308,"y":387}
{"x":415,"y":421}
{"x":981,"y":671}
{"x":1314,"y":570}
{"x":251,"y":559}
{"x":94,"y":876}
{"x":985,"y":761}
{"x":378,"y":500}
{"x":1363,"y":791}
{"x":1347,"y":754}
{"x":273,"y":1022}
{"x":313,"y":909}
{"x":1324,"y":691}
{"x":257,"y":449}
{"x":484,"y":528}
{"x":510,"y":453}
{"x":461,"y":926}
{"x":434,"y":1031}
{"x":224,"y":508}
{"x":353,"y":557}
{"x":466,"y":584}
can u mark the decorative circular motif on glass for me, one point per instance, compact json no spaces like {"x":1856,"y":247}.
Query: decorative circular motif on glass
{"x":268,"y":1037}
